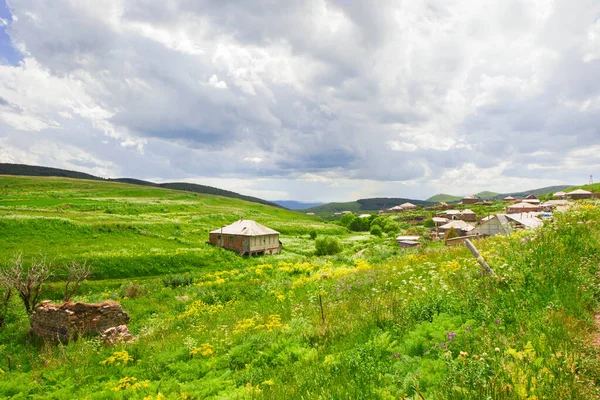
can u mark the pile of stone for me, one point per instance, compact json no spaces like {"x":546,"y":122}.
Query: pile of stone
{"x":119,"y":334}
{"x":68,"y":320}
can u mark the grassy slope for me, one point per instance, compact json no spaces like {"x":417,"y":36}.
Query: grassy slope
{"x":128,"y":230}
{"x":408,"y":324}
{"x":443,"y":197}
{"x":486,"y":195}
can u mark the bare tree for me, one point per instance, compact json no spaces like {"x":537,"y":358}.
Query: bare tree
{"x":6,"y":292}
{"x":27,"y":282}
{"x":76,"y":273}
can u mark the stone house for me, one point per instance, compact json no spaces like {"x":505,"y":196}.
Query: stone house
{"x":247,"y":237}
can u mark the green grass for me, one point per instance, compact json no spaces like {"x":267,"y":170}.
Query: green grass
{"x":444,"y":198}
{"x":392,"y":324}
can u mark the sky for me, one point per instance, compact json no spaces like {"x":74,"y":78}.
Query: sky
{"x":317,"y":100}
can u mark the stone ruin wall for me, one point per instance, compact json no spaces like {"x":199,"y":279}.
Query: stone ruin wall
{"x":64,"y":321}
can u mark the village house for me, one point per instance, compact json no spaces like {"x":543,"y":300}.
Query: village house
{"x":439,"y":221}
{"x":408,"y":241}
{"x":531,"y":199}
{"x":551,"y":205}
{"x":247,"y":237}
{"x":468,"y":215}
{"x":470,"y":200}
{"x":560,"y":195}
{"x":461,"y":227}
{"x":523,"y":208}
{"x":402,"y":207}
{"x":509,"y":199}
{"x":505,"y":224}
{"x":579,"y":194}
{"x":450,"y":214}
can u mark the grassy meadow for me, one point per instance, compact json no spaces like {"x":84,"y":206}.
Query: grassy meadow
{"x":390,"y":324}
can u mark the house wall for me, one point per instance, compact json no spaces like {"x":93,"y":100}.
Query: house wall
{"x":580,"y":196}
{"x":533,"y":208}
{"x":470,"y":201}
{"x":469,"y":217}
{"x":269,"y":244}
{"x":489,"y":228}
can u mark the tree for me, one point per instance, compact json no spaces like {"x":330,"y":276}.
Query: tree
{"x":27,"y":282}
{"x":312,"y":234}
{"x":76,"y":273}
{"x":6,"y":292}
{"x":451,"y":233}
{"x":376,"y":230}
{"x":347,"y":219}
{"x":327,"y":245}
{"x":429,"y":223}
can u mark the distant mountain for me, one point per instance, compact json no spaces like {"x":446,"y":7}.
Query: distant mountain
{"x":486,"y":195}
{"x":295,"y":205}
{"x":535,"y":192}
{"x":447,"y":198}
{"x":372,"y":204}
{"x":33,"y":170}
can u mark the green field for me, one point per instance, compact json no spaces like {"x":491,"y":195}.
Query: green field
{"x":390,"y":324}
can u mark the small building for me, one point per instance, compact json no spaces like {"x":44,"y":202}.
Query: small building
{"x":363,"y":215}
{"x":505,"y":224}
{"x":408,"y":241}
{"x":451,"y":214}
{"x":509,"y":199}
{"x":530,"y":197}
{"x":551,"y":205}
{"x":461,"y":227}
{"x":247,"y":237}
{"x":470,"y":200}
{"x":468,"y":215}
{"x":523,"y":208}
{"x":311,"y":214}
{"x":560,"y":195}
{"x":408,"y":206}
{"x":579,"y":194}
{"x":439,"y":221}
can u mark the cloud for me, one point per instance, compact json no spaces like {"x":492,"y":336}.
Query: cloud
{"x":396,"y":100}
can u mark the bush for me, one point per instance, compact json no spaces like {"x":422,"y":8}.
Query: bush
{"x":133,"y":290}
{"x":376,"y":230}
{"x":312,"y":234}
{"x":327,"y":245}
{"x":429,"y":223}
{"x":451,"y":233}
{"x":177,"y":281}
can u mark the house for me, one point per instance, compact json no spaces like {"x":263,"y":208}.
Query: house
{"x":522,"y":208}
{"x":402,"y":207}
{"x":468,"y":215}
{"x":461,"y":227}
{"x":439,"y":221}
{"x":550,"y":205}
{"x":560,"y":195}
{"x":505,"y":224}
{"x":470,"y":200}
{"x":311,"y":214}
{"x":450,"y":214}
{"x":509,"y":199}
{"x":579,"y":194}
{"x":363,"y":215}
{"x":408,"y":241}
{"x":531,"y":199}
{"x":408,"y":206}
{"x":247,"y":237}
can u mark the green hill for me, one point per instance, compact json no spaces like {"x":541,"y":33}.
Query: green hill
{"x":486,"y":195}
{"x":371,"y":204}
{"x":447,"y":198}
{"x":127,"y":230}
{"x":32,"y":170}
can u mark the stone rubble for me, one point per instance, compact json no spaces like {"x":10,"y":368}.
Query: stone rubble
{"x":64,"y":321}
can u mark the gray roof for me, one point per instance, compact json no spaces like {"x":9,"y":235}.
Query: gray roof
{"x":246,"y":227}
{"x":579,"y":191}
{"x":467,"y":211}
{"x":527,"y":221}
{"x":462,"y":225}
{"x":407,"y":238}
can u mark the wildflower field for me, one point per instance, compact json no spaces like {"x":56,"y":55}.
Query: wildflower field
{"x":390,"y":324}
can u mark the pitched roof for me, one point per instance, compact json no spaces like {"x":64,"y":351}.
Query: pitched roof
{"x":407,"y":238}
{"x":462,"y":225}
{"x":527,"y":221}
{"x":559,"y":194}
{"x":246,"y":227}
{"x":467,"y":211}
{"x":509,"y":198}
{"x":530,"y":196}
{"x":524,"y":205}
{"x":439,"y":219}
{"x":469,"y":197}
{"x":579,"y":191}
{"x":407,"y":205}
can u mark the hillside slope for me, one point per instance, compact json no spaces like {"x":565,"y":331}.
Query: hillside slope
{"x":32,"y":170}
{"x":124,"y":229}
{"x":448,"y":198}
{"x":371,"y":204}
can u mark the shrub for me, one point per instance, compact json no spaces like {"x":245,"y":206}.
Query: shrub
{"x":133,"y":290}
{"x":327,"y":245}
{"x":429,"y":223}
{"x":376,"y":230}
{"x":312,"y":234}
{"x":177,"y":281}
{"x":451,"y":233}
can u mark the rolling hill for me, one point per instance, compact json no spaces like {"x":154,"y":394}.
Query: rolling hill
{"x":295,"y":205}
{"x":33,"y":170}
{"x":448,"y":198}
{"x":371,"y":204}
{"x":487,"y":195}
